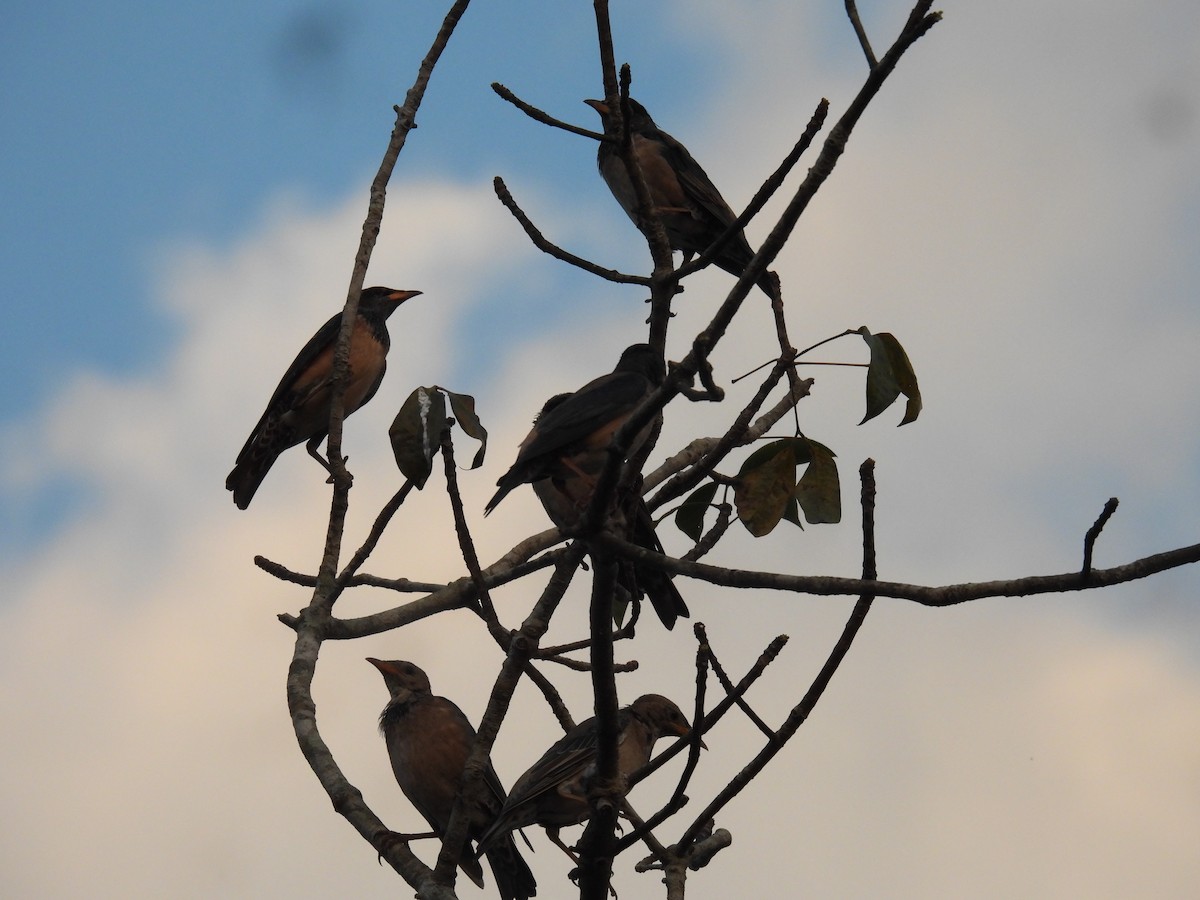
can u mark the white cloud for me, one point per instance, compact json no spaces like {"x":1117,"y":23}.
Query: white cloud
{"x":1009,"y":748}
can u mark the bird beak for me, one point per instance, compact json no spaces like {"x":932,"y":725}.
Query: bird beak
{"x":598,"y":105}
{"x":401,"y":296}
{"x":379,"y":663}
{"x":687,"y":733}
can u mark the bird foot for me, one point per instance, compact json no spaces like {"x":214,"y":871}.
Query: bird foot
{"x":574,"y":875}
{"x":385,"y":840}
{"x":329,"y":480}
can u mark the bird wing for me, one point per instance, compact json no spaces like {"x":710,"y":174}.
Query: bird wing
{"x":694,"y":180}
{"x":592,"y":407}
{"x":308,"y":354}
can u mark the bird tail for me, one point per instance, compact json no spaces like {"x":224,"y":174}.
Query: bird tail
{"x":514,"y":880}
{"x":470,"y":866}
{"x":656,"y":584}
{"x":246,"y":476}
{"x":505,"y":484}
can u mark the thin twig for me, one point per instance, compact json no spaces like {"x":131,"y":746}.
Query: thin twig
{"x":368,"y":546}
{"x":727,"y":684}
{"x":539,"y":241}
{"x":800,"y":713}
{"x":1089,"y":540}
{"x":538,"y":115}
{"x":579,"y":665}
{"x":852,"y":12}
{"x":466,"y":544}
{"x":715,"y":714}
{"x":763,"y":195}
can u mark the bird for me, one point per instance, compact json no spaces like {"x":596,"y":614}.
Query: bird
{"x":566,"y":495}
{"x":553,"y":792}
{"x":566,"y":451}
{"x":574,"y":435}
{"x":298,"y":411}
{"x":692,"y":210}
{"x":428,"y":741}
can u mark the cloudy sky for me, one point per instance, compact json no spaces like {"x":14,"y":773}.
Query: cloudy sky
{"x":183,"y":191}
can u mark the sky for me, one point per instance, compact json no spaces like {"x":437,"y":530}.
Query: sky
{"x":183,"y":194}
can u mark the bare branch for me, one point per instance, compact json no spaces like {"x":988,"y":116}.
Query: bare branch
{"x":545,"y":118}
{"x":852,"y":12}
{"x":703,"y":455}
{"x":554,"y":250}
{"x":347,"y":799}
{"x":1089,"y":540}
{"x":804,"y":708}
{"x":730,"y":690}
{"x":381,"y":522}
{"x":945,"y":595}
{"x":763,"y":194}
{"x":717,"y":712}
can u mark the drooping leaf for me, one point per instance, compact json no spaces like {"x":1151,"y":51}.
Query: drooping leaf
{"x":416,"y":433}
{"x":792,"y":514}
{"x":689,"y":518}
{"x":463,"y":406}
{"x":765,"y":486}
{"x":889,"y":374}
{"x":819,"y":491}
{"x":903,"y":372}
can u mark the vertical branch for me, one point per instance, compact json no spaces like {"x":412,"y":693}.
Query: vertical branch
{"x":1089,"y":539}
{"x":310,"y":630}
{"x":608,"y":63}
{"x":466,"y":544}
{"x":597,"y":846}
{"x":662,"y":281}
{"x":405,"y":121}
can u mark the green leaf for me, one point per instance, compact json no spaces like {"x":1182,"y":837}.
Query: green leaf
{"x":792,"y":514}
{"x":889,"y":374}
{"x":765,"y":486}
{"x":463,"y":406}
{"x":819,"y":491}
{"x":416,"y":433}
{"x":689,"y":518}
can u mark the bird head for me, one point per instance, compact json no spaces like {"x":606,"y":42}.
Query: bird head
{"x":638,"y":117}
{"x":404,"y":680}
{"x":661,"y":715}
{"x":645,"y":361}
{"x":383,"y":301}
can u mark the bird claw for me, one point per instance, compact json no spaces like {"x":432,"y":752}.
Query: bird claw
{"x":385,"y":840}
{"x":328,"y":468}
{"x":574,"y":875}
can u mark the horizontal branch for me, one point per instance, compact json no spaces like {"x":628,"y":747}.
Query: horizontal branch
{"x":454,"y":595}
{"x":945,"y":595}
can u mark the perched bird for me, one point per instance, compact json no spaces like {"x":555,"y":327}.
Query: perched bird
{"x":691,"y":208}
{"x":553,"y":793}
{"x":565,"y":496}
{"x":298,"y":411}
{"x":580,"y":426}
{"x":428,"y":740}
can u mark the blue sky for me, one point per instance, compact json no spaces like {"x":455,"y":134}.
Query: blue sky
{"x":134,"y":125}
{"x":182,"y":197}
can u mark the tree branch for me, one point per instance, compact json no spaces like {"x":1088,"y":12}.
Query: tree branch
{"x":945,"y":595}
